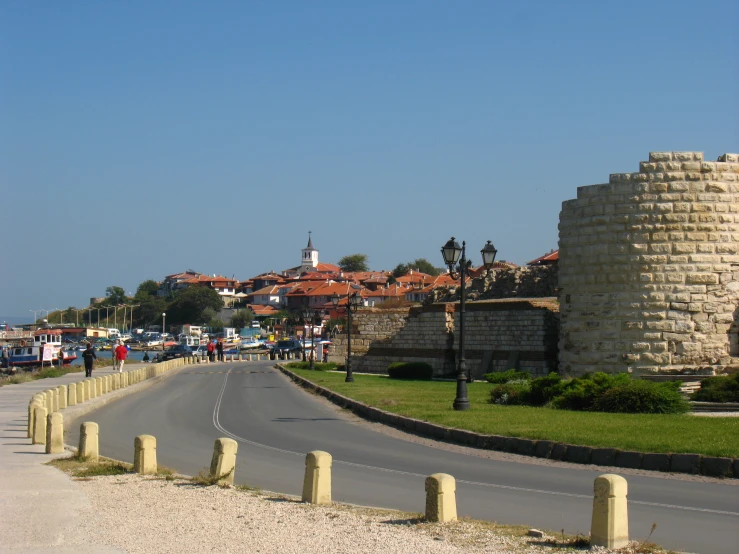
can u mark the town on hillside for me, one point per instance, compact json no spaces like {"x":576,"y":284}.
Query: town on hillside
{"x":306,"y":302}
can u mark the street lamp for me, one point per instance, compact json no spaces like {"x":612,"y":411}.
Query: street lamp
{"x":352,"y":305}
{"x":455,"y":258}
{"x":310,"y":315}
{"x":164,"y":319}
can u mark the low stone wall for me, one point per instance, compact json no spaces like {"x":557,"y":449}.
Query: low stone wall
{"x":499,"y":335}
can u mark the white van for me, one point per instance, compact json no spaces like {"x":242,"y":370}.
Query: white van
{"x":114,"y":334}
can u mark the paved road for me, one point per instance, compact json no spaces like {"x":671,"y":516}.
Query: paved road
{"x":276,"y":424}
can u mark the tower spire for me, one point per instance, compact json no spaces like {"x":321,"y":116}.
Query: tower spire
{"x":310,"y":241}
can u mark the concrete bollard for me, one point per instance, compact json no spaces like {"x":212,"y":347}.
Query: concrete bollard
{"x":62,"y":396}
{"x":55,"y":400}
{"x":145,"y":454}
{"x":441,"y":498}
{"x":72,"y":395}
{"x":609,"y":526}
{"x":223,"y":463}
{"x":317,"y":481}
{"x":39,"y":425}
{"x":54,"y":433}
{"x":89,"y":390}
{"x":98,"y":386}
{"x":35,"y":403}
{"x":48,"y":401}
{"x":115,"y":381}
{"x":80,"y":386}
{"x":105,"y":384}
{"x":89,"y":448}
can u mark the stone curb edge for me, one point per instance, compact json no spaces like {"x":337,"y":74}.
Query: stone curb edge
{"x":695,"y":464}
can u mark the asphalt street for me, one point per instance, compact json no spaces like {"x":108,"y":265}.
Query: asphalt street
{"x":276,"y":423}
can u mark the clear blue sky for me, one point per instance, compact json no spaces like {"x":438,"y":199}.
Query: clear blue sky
{"x":142,"y":138}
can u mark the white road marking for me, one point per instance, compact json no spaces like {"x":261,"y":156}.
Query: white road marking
{"x":217,"y":424}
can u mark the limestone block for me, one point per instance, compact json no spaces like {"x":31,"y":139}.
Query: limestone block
{"x":72,"y":394}
{"x":39,"y":425}
{"x":145,"y":454}
{"x":223,"y":463}
{"x":89,"y":389}
{"x":317,"y":480}
{"x":35,"y":403}
{"x":609,"y":526}
{"x":80,"y":385}
{"x":98,"y":386}
{"x":441,"y":500}
{"x":88,"y":447}
{"x":55,"y":433}
{"x":49,"y":401}
{"x":62,"y":396}
{"x":55,"y":400}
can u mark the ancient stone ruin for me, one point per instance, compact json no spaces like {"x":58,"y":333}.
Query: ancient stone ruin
{"x":649,"y":269}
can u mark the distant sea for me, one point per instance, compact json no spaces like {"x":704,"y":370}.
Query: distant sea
{"x":16,"y":320}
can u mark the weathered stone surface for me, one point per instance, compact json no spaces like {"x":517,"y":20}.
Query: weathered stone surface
{"x":543,"y":449}
{"x":628,"y":459}
{"x":717,"y":467}
{"x":578,"y":454}
{"x":655,"y":462}
{"x":685,"y":463}
{"x":317,"y":480}
{"x":559,"y":451}
{"x":609,"y":526}
{"x":736,"y":468}
{"x":441,"y":500}
{"x":526,"y":447}
{"x":603,"y":456}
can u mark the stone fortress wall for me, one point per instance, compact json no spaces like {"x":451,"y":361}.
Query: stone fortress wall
{"x":649,"y":269}
{"x":499,"y":335}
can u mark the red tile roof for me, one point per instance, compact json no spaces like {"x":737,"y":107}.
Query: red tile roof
{"x":546,"y":259}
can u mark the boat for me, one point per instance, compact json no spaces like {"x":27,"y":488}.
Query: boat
{"x":45,"y":346}
{"x":251,"y":343}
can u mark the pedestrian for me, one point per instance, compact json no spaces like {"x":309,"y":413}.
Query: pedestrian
{"x":89,"y":357}
{"x":146,"y":356}
{"x":211,"y":350}
{"x":114,"y":353}
{"x":219,"y":347}
{"x":325,"y":353}
{"x":121,"y":352}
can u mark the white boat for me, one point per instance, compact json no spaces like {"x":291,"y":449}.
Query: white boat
{"x":46,"y":346}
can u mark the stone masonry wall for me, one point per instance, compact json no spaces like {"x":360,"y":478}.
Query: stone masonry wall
{"x":649,"y":268}
{"x":500,"y":334}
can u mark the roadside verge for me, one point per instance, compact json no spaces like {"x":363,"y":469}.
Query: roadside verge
{"x":695,"y":464}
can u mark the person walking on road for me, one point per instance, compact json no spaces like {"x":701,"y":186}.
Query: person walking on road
{"x":211,"y":350}
{"x":219,"y":347}
{"x":114,"y":353}
{"x":325,"y":353}
{"x":89,"y":357}
{"x":121,"y":352}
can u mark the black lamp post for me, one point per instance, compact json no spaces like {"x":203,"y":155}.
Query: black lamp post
{"x":455,"y":258}
{"x":353,"y":303}
{"x":310,"y":315}
{"x":303,"y":316}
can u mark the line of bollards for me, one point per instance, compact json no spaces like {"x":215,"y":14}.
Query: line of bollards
{"x":609,"y":526}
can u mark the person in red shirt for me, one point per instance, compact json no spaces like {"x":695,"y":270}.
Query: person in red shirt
{"x":120,"y":354}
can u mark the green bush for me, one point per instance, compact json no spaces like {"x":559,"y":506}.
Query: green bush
{"x":643,"y":397}
{"x":506,"y":376}
{"x":543,"y":389}
{"x":318,"y":366}
{"x":582,"y":392}
{"x":718,"y":389}
{"x":512,"y":393}
{"x":410,"y":370}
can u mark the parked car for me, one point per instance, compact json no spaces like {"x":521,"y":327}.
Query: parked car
{"x":176,"y":351}
{"x":285,"y":346}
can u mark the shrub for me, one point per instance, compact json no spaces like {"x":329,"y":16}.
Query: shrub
{"x":506,"y":376}
{"x":582,"y":392}
{"x":318,"y":366}
{"x":410,"y":370}
{"x":516,"y":393}
{"x":718,"y":389}
{"x":643,"y":397}
{"x":543,"y":389}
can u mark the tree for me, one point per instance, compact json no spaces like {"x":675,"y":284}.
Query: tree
{"x":354,"y":262}
{"x":242,"y":318}
{"x":146,"y":289}
{"x":424,"y":266}
{"x":189,"y":303}
{"x":115,"y":295}
{"x":149,"y":311}
{"x":400,"y":270}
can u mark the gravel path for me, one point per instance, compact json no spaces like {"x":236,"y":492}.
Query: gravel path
{"x":137,"y":514}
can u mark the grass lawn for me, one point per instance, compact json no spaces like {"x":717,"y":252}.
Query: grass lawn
{"x":432,"y":401}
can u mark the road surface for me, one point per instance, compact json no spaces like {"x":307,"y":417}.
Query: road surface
{"x":276,"y":423}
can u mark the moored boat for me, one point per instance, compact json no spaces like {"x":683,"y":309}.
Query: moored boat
{"x":46,"y":347}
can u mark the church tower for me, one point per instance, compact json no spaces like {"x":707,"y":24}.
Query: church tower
{"x":310,"y":257}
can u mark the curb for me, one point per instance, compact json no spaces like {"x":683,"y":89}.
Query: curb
{"x":695,"y":464}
